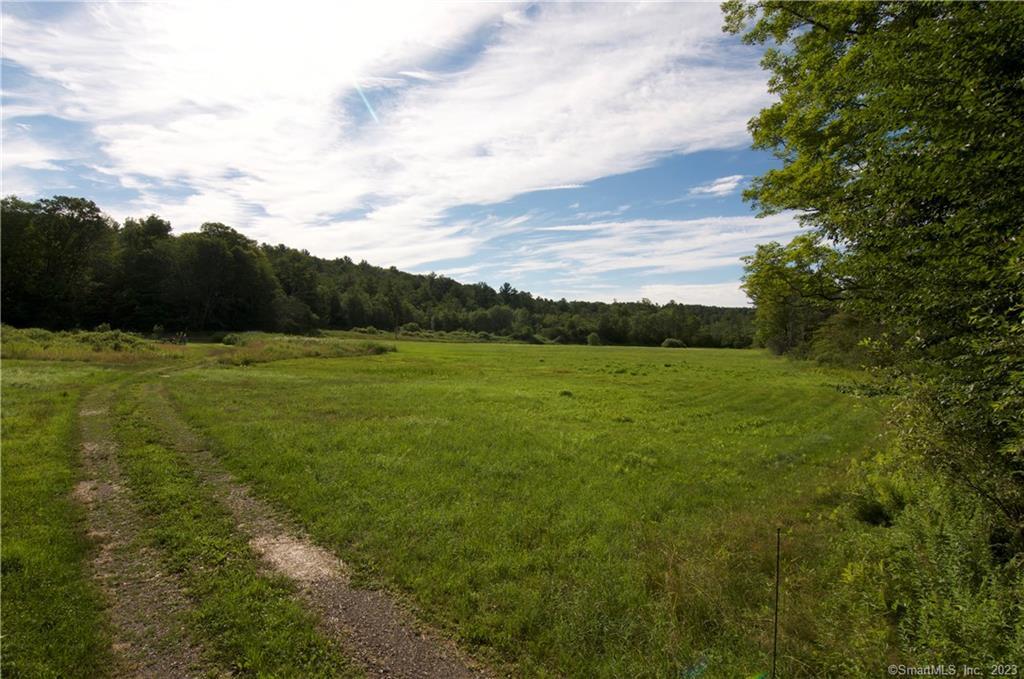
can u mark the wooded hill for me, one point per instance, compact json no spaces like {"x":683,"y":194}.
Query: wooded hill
{"x":68,"y":265}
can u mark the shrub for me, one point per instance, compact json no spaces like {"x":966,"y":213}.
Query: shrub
{"x":593,"y":339}
{"x":231,"y":339}
{"x":673,"y":343}
{"x":527,"y":337}
{"x":411,"y":327}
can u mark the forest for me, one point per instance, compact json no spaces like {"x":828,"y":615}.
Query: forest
{"x":68,"y":265}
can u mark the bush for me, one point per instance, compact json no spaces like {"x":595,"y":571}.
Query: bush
{"x":527,"y":337}
{"x":930,"y":578}
{"x":293,"y":316}
{"x":231,"y":339}
{"x":593,"y":339}
{"x":673,"y":343}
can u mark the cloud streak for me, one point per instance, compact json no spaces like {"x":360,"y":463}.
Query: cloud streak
{"x":658,"y":246}
{"x":722,"y":186}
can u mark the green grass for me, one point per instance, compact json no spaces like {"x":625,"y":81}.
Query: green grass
{"x":52,"y":617}
{"x":579,"y":511}
{"x":247,"y":617}
{"x":576,"y":511}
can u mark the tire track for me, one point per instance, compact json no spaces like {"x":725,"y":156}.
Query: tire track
{"x":369,"y":625}
{"x":147,"y":606}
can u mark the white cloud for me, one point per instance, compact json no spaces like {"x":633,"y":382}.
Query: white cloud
{"x":251,"y":107}
{"x":714,"y":294}
{"x":722,"y":186}
{"x":21,"y":152}
{"x":559,"y":187}
{"x":16,"y":183}
{"x":711,"y":294}
{"x":661,"y":246}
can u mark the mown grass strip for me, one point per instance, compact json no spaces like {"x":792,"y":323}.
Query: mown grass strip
{"x":52,"y":614}
{"x":248,"y":618}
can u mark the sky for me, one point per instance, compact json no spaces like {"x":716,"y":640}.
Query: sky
{"x":588,"y":151}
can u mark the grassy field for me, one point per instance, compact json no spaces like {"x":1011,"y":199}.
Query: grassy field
{"x":583,"y":511}
{"x":561,"y":511}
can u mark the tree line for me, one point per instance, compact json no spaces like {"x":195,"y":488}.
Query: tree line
{"x":899,"y":128}
{"x":65,"y":264}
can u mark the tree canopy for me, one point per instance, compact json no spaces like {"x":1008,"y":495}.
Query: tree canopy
{"x":899,"y":128}
{"x":67,"y":265}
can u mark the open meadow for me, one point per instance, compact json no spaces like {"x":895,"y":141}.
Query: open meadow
{"x":556,"y":511}
{"x":467,"y":340}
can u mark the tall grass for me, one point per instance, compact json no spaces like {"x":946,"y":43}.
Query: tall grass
{"x":106,"y":346}
{"x":115,"y":346}
{"x":254,"y":347}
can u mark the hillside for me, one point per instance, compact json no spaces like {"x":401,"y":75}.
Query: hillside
{"x":66,"y":265}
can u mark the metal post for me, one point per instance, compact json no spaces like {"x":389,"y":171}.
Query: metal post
{"x":775,"y":635}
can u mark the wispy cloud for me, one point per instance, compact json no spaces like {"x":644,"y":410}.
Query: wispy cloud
{"x":713,"y":294}
{"x":717,"y":294}
{"x":658,"y":246}
{"x":722,"y":186}
{"x":558,"y":187}
{"x":271,"y":140}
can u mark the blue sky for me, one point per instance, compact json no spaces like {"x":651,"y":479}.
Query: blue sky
{"x":592,"y":151}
